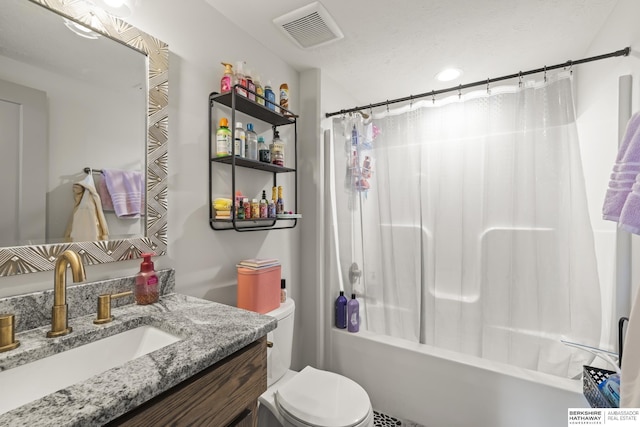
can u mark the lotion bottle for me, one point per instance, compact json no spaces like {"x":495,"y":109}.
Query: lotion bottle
{"x":353,"y":314}
{"x":341,"y":311}
{"x":146,"y":288}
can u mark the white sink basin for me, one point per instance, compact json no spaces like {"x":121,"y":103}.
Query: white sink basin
{"x":29,"y":382}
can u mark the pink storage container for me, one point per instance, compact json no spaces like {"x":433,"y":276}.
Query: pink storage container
{"x":259,"y":289}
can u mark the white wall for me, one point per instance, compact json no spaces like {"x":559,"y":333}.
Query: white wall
{"x":597,"y":109}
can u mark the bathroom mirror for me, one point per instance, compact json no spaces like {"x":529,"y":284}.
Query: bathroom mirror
{"x":109,"y":58}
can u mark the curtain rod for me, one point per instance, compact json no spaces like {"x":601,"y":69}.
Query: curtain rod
{"x":622,"y":52}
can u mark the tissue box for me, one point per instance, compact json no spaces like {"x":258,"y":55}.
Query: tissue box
{"x":259,"y":288}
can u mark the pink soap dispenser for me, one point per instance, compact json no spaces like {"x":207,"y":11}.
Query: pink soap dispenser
{"x":146,"y":290}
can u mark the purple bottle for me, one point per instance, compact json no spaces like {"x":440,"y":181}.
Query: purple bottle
{"x":353,"y":314}
{"x":341,"y":311}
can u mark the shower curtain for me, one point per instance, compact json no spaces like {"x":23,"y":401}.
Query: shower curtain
{"x":469,"y":225}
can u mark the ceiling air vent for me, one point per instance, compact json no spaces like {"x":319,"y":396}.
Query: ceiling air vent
{"x":309,"y":26}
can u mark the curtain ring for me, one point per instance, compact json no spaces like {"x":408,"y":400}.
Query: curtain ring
{"x":433,"y":96}
{"x":387,"y":105}
{"x":410,"y":101}
{"x":459,"y":91}
{"x":488,"y":89}
{"x":571,"y":67}
{"x":520,"y":79}
{"x":545,"y":73}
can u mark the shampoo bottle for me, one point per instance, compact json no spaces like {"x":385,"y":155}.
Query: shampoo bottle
{"x":353,"y":314}
{"x":283,"y":291}
{"x":223,"y":139}
{"x":259,"y":90}
{"x":240,"y":79}
{"x":341,"y":311}
{"x":146,"y":290}
{"x":270,"y":96}
{"x":251,"y":143}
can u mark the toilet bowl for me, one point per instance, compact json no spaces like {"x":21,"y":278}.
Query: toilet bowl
{"x":311,"y":397}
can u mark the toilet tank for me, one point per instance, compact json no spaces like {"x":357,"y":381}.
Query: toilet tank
{"x":279,"y":356}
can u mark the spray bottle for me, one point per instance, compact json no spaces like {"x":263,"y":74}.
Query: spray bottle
{"x":146,"y":288}
{"x":227,"y":80}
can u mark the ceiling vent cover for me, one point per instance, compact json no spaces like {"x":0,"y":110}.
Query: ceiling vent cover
{"x":309,"y":26}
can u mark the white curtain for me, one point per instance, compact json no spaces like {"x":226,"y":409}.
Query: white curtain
{"x":472,"y":231}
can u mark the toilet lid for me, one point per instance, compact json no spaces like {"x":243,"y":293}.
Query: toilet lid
{"x":323,"y":399}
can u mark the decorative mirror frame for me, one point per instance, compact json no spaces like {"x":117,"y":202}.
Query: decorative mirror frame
{"x":31,"y":259}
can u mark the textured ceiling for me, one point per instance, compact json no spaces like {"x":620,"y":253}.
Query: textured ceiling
{"x":394,"y":49}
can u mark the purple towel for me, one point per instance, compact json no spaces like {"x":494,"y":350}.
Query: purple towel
{"x":127,"y":192}
{"x":625,"y":171}
{"x":630,"y":215}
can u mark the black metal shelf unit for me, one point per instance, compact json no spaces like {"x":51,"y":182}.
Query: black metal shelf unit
{"x":242,"y":104}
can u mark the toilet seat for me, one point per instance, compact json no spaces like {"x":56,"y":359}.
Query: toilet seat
{"x":322,"y":399}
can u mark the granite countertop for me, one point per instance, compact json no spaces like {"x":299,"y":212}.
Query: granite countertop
{"x":210,"y":332}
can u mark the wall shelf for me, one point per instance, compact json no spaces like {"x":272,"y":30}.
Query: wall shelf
{"x":238,"y":103}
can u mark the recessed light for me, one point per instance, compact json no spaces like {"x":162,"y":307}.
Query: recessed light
{"x":449,"y":74}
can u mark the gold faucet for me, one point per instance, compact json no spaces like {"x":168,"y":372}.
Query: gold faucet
{"x":59,"y":313}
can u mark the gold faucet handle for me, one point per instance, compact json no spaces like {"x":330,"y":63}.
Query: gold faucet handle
{"x":7,"y":333}
{"x":104,"y":306}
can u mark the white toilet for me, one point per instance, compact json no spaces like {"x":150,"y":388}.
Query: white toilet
{"x":311,"y":397}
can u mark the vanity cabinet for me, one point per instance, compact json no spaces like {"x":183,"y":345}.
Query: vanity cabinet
{"x":225,"y":394}
{"x":236,"y":103}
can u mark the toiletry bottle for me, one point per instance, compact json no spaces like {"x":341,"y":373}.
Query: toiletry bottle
{"x":264,"y":205}
{"x":223,"y":139}
{"x":263,"y":150}
{"x":271,"y":209}
{"x":240,"y":79}
{"x":251,"y":147}
{"x":284,"y":98}
{"x":247,"y":208}
{"x":280,"y":202}
{"x":353,"y":314}
{"x":251,"y":93}
{"x":240,"y":139}
{"x":277,"y":149}
{"x":341,"y":311}
{"x":283,"y":291}
{"x":146,"y":288}
{"x":270,"y":96}
{"x":259,"y":90}
{"x":227,"y":80}
{"x":274,"y":193}
{"x":240,"y":214}
{"x":255,"y":208}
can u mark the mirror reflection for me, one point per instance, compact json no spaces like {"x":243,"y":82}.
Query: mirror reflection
{"x":90,"y":94}
{"x":80,"y":89}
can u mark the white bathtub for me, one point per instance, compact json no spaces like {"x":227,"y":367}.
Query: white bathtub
{"x":441,"y":388}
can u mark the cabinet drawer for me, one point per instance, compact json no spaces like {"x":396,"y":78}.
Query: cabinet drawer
{"x":215,"y":397}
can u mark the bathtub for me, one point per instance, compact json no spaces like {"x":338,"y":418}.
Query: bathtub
{"x":441,"y":388}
